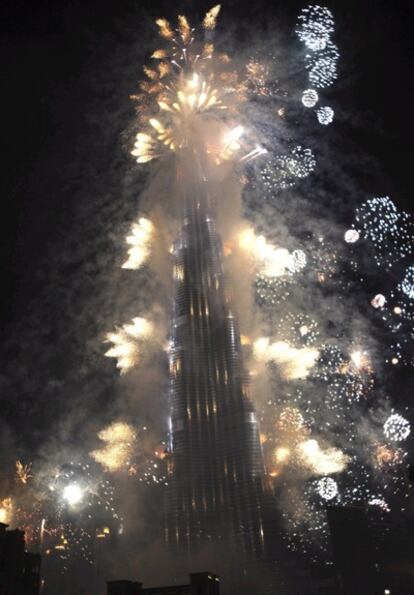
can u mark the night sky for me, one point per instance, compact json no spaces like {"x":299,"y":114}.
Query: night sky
{"x":48,"y":49}
{"x":70,"y":192}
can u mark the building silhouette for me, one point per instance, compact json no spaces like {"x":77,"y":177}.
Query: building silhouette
{"x":201,"y":583}
{"x":216,"y":491}
{"x":372,"y":551}
{"x":19,"y":570}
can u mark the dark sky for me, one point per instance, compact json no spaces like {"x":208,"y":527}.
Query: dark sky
{"x":47,"y":46}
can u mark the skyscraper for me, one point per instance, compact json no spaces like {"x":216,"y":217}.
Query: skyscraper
{"x":216,"y":459}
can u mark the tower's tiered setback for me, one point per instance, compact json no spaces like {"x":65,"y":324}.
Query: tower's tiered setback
{"x":216,"y":459}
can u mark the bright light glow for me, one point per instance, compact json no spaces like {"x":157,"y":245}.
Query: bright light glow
{"x":310,"y":97}
{"x":275,"y":262}
{"x":282,"y":454}
{"x":73,"y":494}
{"x":407,"y":284}
{"x":6,"y":510}
{"x":378,"y":301}
{"x":293,"y":363}
{"x":325,"y":115}
{"x":327,"y":488}
{"x":397,"y":428}
{"x":126,"y":342}
{"x":351,"y":236}
{"x":119,"y":439}
{"x":321,"y":461}
{"x":139,"y":241}
{"x":315,"y":25}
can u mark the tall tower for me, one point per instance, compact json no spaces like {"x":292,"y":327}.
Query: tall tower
{"x":217,"y":466}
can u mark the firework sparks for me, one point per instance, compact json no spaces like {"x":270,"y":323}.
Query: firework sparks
{"x":397,"y":428}
{"x":315,"y":25}
{"x":310,"y":98}
{"x":275,"y":262}
{"x":284,"y":171}
{"x":351,"y":236}
{"x":23,"y":472}
{"x":407,"y":284}
{"x":140,"y":244}
{"x":72,"y":494}
{"x":210,"y":20}
{"x":389,"y":230}
{"x":294,"y":363}
{"x":321,"y":461}
{"x":378,"y":301}
{"x":127,"y":342}
{"x":325,"y":115}
{"x":327,"y":488}
{"x":120,"y":439}
{"x":6,"y":510}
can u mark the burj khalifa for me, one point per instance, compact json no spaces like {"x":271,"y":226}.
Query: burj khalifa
{"x":216,"y":464}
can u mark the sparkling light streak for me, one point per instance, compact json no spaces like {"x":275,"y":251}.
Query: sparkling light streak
{"x":139,"y":241}
{"x":119,"y":439}
{"x":127,"y":342}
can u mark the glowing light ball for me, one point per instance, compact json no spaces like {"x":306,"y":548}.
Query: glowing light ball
{"x":397,"y":428}
{"x":327,"y":488}
{"x":378,"y":301}
{"x":310,"y":98}
{"x":351,"y":236}
{"x":73,"y":494}
{"x":325,"y":115}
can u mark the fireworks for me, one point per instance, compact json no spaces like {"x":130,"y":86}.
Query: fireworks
{"x":275,"y":262}
{"x":378,"y":301}
{"x":6,"y":510}
{"x":397,"y":428}
{"x":297,"y":329}
{"x":194,"y":102}
{"x":293,"y":363}
{"x":183,"y":98}
{"x":389,"y":230}
{"x":310,"y":98}
{"x":323,"y":66}
{"x":210,"y":20}
{"x":282,"y":454}
{"x":386,"y":456}
{"x":126,"y":343}
{"x":325,"y":115}
{"x":23,"y":472}
{"x":284,"y":171}
{"x":407,"y":284}
{"x":321,"y":461}
{"x":315,"y":25}
{"x":119,"y":440}
{"x":351,"y":236}
{"x":327,"y":488}
{"x":291,"y":420}
{"x":73,"y":494}
{"x":139,"y":241}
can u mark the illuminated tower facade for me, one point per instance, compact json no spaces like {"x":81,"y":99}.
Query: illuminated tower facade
{"x":216,"y":459}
